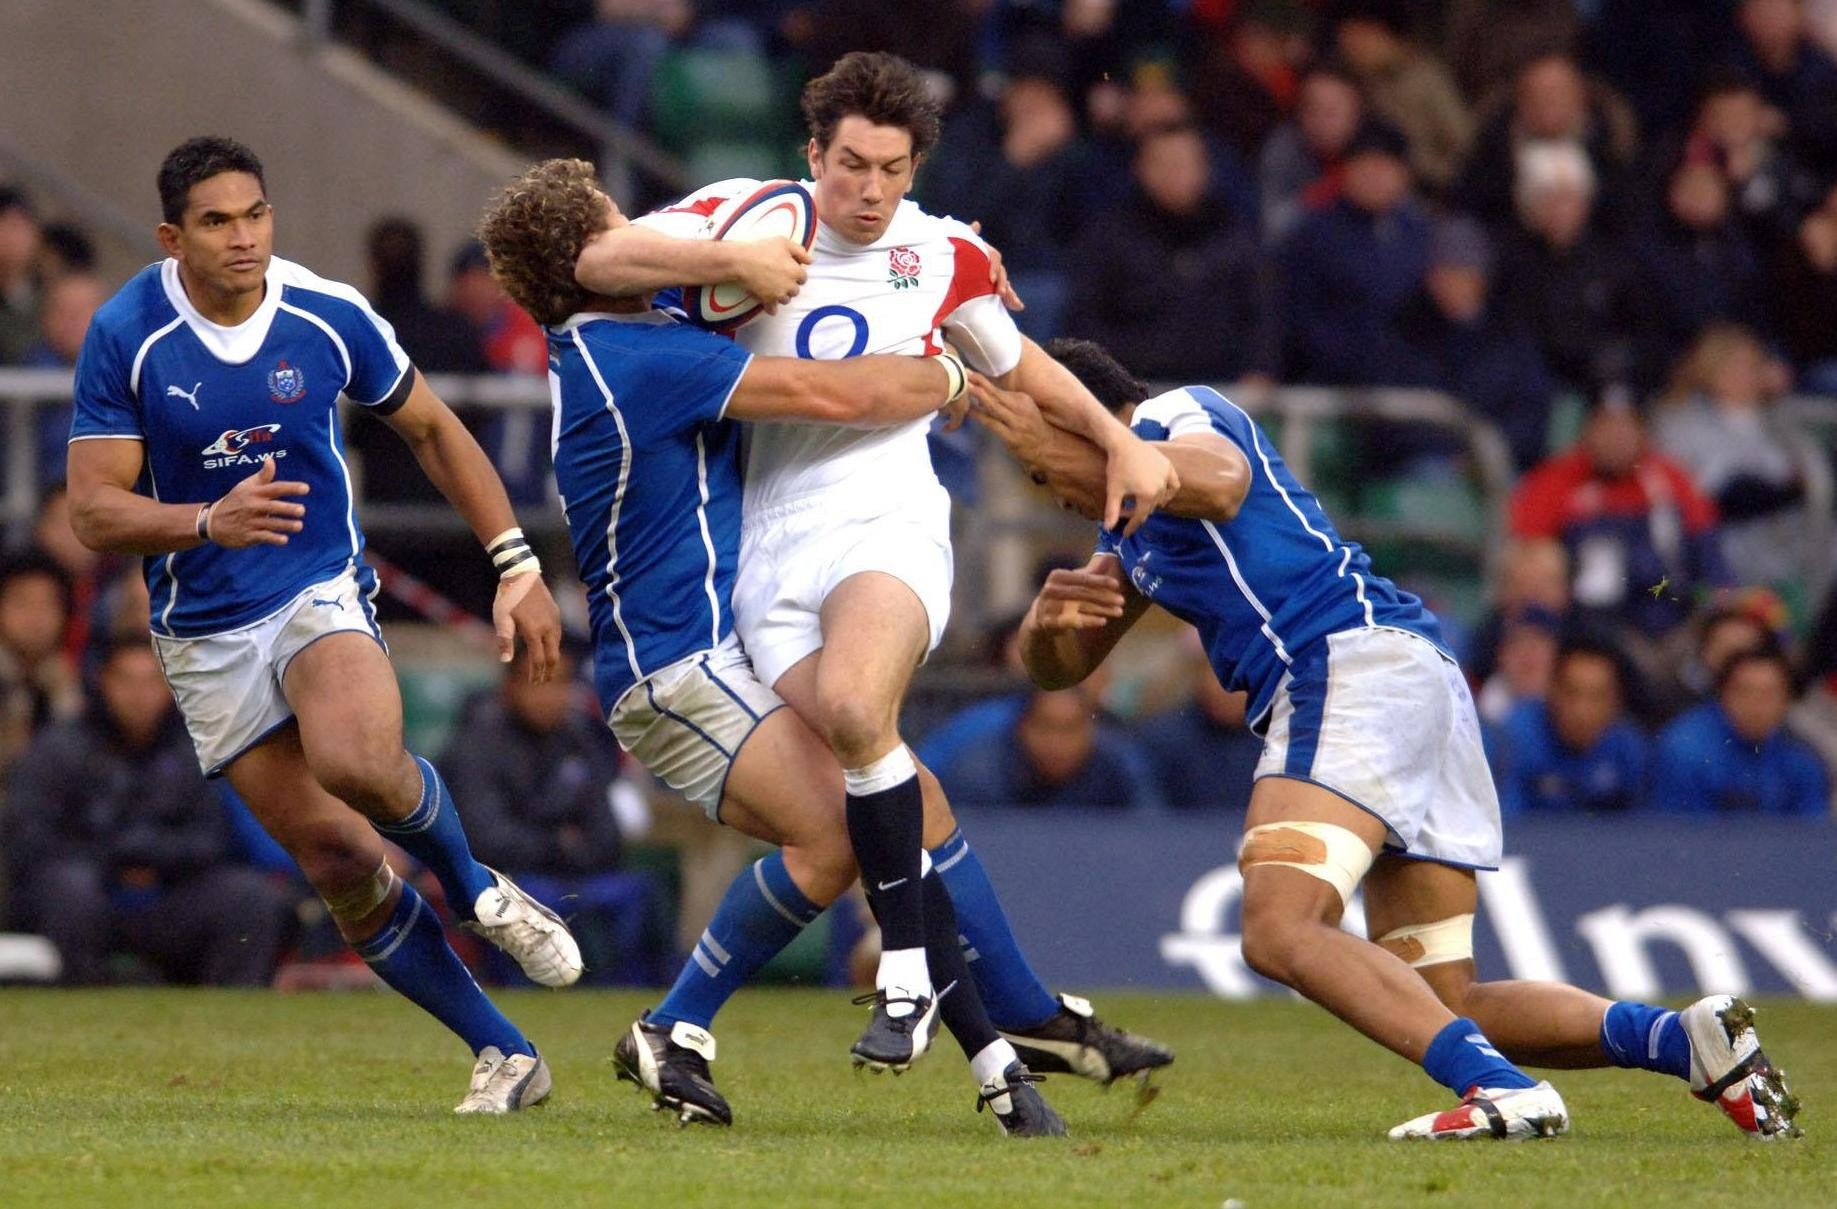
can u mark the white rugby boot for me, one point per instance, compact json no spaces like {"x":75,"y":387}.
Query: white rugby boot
{"x":1728,"y":1069}
{"x":1508,"y":1114}
{"x":503,"y":1084}
{"x":528,"y":931}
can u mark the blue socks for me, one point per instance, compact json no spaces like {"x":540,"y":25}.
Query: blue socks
{"x":1012,"y":992}
{"x":762,"y":912}
{"x":411,"y":954}
{"x":1460,"y":1057}
{"x":1643,"y":1037}
{"x":433,"y":835}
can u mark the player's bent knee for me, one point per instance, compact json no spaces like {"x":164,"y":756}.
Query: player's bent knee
{"x":1432,"y":944}
{"x":853,"y":728}
{"x":1324,"y":851}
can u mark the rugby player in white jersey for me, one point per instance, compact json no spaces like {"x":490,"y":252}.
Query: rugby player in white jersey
{"x":845,"y":568}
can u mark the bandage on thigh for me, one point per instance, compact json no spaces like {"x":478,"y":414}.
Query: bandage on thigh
{"x":1421,"y":945}
{"x":1321,"y":850}
{"x":363,"y":898}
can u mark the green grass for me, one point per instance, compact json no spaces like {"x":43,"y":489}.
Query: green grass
{"x":209,"y":1098}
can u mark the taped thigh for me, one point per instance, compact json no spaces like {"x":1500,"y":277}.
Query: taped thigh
{"x":1432,"y":944}
{"x":1326,"y":851}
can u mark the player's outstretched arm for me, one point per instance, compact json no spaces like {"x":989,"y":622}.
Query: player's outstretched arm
{"x":873,"y":390}
{"x":1214,"y":476}
{"x":108,"y":515}
{"x":632,"y":260}
{"x":1076,"y":620}
{"x":456,"y":465}
{"x":1134,"y":470}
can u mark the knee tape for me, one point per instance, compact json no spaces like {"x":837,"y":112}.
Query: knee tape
{"x":1323,"y":850}
{"x":1421,"y":945}
{"x":364,"y":897}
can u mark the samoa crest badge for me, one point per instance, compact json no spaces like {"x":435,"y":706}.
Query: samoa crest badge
{"x":286,"y":384}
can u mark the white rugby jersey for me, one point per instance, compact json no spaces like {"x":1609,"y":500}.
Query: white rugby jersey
{"x":925,"y":280}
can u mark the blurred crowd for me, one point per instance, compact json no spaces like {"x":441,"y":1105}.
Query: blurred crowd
{"x":1606,"y":227}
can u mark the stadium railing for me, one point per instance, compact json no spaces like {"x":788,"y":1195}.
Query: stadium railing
{"x":621,"y":149}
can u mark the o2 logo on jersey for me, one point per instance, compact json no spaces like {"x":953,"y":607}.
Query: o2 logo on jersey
{"x":286,"y":384}
{"x":831,"y":350}
{"x":903,"y":268}
{"x":236,"y":447}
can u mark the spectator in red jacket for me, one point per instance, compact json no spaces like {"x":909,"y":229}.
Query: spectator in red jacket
{"x":1641,"y":537}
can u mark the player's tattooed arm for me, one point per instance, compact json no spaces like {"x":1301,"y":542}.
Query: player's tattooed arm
{"x":632,"y":260}
{"x":871,"y":391}
{"x":1076,"y":620}
{"x":1214,"y":475}
{"x":1137,"y":477}
{"x":108,"y":515}
{"x":454,"y":463}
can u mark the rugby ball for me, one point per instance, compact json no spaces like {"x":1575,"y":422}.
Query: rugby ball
{"x":782,"y":208}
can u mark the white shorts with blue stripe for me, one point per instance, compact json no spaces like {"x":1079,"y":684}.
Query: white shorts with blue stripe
{"x":686,"y":723}
{"x":228,"y":685}
{"x":1384,"y":719}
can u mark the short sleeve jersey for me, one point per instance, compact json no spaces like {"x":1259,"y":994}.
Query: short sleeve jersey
{"x":926,"y":280}
{"x":210,"y":403}
{"x":649,"y":476}
{"x":1266,"y":585}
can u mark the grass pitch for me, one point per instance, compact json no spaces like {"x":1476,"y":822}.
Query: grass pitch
{"x":216,"y":1098}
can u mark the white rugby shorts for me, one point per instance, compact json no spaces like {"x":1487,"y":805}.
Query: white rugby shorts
{"x":687,"y":722}
{"x":228,"y":685}
{"x":1383,"y":718}
{"x":793,"y":555}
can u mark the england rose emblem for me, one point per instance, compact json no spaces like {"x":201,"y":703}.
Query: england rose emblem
{"x":903,"y":266}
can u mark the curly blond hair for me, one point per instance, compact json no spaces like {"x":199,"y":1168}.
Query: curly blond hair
{"x":533,"y":233}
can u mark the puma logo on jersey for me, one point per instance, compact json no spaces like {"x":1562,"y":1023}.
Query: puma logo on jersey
{"x":190,"y":396}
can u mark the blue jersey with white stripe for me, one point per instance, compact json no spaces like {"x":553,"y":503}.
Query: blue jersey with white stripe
{"x":649,"y":475}
{"x":209,"y":403}
{"x":1264,"y":587}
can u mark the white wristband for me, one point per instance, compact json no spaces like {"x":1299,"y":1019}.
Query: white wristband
{"x":959,"y":376}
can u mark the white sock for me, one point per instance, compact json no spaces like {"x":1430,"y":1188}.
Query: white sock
{"x":991,"y":1060}
{"x":894,"y":768}
{"x":903,"y":971}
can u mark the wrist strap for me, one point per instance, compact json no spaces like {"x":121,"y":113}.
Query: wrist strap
{"x":511,"y":555}
{"x":959,"y":376}
{"x":204,"y":520}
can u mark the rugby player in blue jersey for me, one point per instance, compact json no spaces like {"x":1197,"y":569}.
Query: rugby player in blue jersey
{"x":647,"y":460}
{"x":207,"y":440}
{"x":1371,"y":772}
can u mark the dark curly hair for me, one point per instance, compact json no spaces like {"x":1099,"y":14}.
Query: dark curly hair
{"x":533,"y":233}
{"x":1102,"y":374}
{"x":883,"y":88}
{"x":196,"y":160}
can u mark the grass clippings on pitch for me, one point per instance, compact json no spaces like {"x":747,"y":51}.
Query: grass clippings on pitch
{"x":216,"y":1098}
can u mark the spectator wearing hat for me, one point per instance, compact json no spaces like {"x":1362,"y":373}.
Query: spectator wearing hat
{"x":1473,"y":347}
{"x":1302,"y":163}
{"x":19,"y":242}
{"x":1560,"y":275}
{"x":1349,"y":271}
{"x":1575,"y":751}
{"x":1734,"y":755}
{"x":1407,"y":86}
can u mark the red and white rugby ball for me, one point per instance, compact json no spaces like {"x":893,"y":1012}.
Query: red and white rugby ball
{"x":782,"y":208}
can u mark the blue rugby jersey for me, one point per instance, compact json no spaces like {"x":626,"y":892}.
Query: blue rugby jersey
{"x":210,"y":402}
{"x":649,"y":476}
{"x":1266,"y":585}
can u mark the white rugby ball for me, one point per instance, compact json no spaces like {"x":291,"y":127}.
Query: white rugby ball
{"x":782,"y":208}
